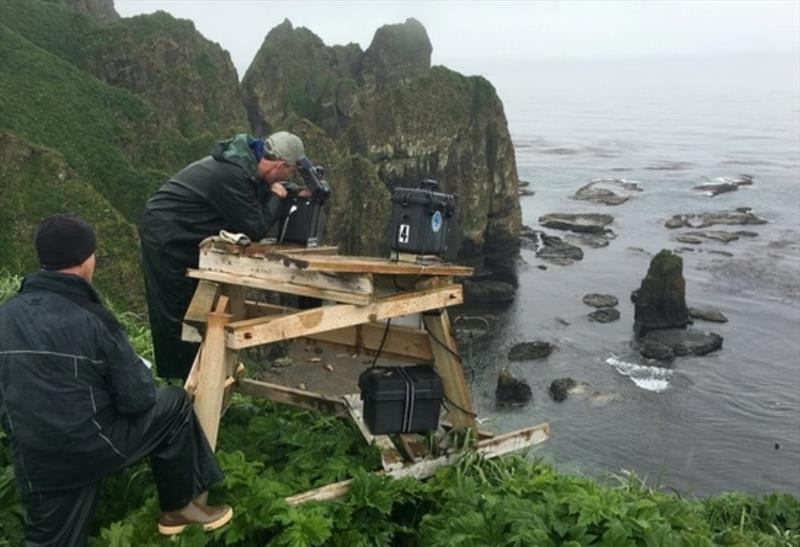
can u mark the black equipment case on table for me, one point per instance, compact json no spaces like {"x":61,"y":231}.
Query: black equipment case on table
{"x":401,"y":399}
{"x":301,"y":221}
{"x":419,"y":219}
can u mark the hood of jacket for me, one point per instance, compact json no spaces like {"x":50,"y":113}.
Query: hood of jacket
{"x":237,"y":151}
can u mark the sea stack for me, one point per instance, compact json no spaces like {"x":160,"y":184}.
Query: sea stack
{"x":661,"y":299}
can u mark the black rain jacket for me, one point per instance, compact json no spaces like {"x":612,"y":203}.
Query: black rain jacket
{"x":218,"y":192}
{"x":69,"y":384}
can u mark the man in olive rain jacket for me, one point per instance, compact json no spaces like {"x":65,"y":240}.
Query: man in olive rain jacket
{"x":237,"y":188}
{"x":78,"y":403}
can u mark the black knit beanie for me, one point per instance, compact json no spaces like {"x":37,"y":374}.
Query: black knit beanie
{"x":63,"y":241}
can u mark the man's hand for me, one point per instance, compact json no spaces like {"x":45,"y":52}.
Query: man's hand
{"x":278,"y":189}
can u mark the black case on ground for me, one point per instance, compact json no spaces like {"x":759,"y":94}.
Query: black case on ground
{"x":401,"y":399}
{"x":304,"y":225}
{"x":419,"y":219}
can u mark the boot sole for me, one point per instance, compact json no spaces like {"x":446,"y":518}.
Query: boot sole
{"x":166,"y":530}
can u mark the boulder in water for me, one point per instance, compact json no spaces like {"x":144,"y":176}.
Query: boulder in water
{"x":488,"y":292}
{"x":596,"y":300}
{"x":604,"y":315}
{"x":681,"y":342}
{"x":560,"y":388}
{"x":581,"y":223}
{"x":703,"y":220}
{"x":555,"y":250}
{"x":661,"y":299}
{"x":607,"y":191}
{"x":527,"y":351}
{"x":722,"y":185}
{"x":511,"y":391}
{"x":707,"y":315}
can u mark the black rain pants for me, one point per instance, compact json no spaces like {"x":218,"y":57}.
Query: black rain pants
{"x":183,"y":467}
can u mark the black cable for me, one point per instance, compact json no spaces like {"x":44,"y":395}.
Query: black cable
{"x":464,"y":410}
{"x":454,"y":354}
{"x":383,"y":341}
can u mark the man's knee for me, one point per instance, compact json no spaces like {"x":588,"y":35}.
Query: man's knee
{"x":173,"y":400}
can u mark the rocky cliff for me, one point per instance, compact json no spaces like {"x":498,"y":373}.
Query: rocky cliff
{"x":101,"y":10}
{"x":409,"y":120}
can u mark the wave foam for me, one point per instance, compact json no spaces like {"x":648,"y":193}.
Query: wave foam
{"x":646,"y":377}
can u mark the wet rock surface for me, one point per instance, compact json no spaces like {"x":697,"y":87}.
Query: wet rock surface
{"x":717,"y":235}
{"x":608,"y":191}
{"x":593,"y":241}
{"x":511,"y":391}
{"x":560,"y":388}
{"x":604,"y":315}
{"x":679,"y":342}
{"x":582,"y":222}
{"x":743,"y":215}
{"x":600,"y":300}
{"x":661,"y":298}
{"x":557,"y":251}
{"x":472,"y":326}
{"x":489,"y":292}
{"x":527,"y":351}
{"x":707,"y":315}
{"x":723,"y":185}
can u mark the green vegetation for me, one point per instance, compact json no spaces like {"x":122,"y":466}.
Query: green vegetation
{"x":269,"y":452}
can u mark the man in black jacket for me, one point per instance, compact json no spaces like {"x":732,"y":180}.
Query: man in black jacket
{"x":237,"y":188}
{"x":78,"y":403}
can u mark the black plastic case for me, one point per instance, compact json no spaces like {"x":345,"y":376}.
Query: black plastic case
{"x":419,"y":219}
{"x":401,"y":399}
{"x":304,"y":225}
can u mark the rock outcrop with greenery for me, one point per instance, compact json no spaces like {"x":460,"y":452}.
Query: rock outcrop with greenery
{"x":408,"y":119}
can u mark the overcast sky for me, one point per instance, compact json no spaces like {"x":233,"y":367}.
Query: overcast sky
{"x":484,"y":37}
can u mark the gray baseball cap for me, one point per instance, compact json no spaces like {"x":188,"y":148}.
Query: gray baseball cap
{"x":284,"y":146}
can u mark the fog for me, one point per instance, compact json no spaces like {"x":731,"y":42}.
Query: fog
{"x":495,"y":38}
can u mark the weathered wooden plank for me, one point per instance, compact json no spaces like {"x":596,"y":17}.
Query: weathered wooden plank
{"x":292,"y":396}
{"x":212,"y":372}
{"x":199,"y":307}
{"x":390,"y":456}
{"x":282,"y":271}
{"x":255,"y":332}
{"x":366,"y":264}
{"x":289,"y":288}
{"x":260,"y":249}
{"x":491,"y":448}
{"x":446,"y":363}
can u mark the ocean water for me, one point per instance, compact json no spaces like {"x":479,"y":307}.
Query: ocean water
{"x":726,"y":421}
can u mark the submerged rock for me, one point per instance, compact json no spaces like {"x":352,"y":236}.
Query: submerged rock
{"x":654,"y":349}
{"x":724,"y":184}
{"x":582,"y":223}
{"x":600,"y":300}
{"x":707,"y":315}
{"x":703,"y":220}
{"x":472,"y":326}
{"x":679,"y":342}
{"x":559,"y":388}
{"x":717,"y":235}
{"x":511,"y":391}
{"x":689,"y":239}
{"x":661,"y":299}
{"x":530,"y":350}
{"x":594,"y":241}
{"x":604,"y":315}
{"x":608,"y":191}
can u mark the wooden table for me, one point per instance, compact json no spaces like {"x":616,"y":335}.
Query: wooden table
{"x":360,"y":295}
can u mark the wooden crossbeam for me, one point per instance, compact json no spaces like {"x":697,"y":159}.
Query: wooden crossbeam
{"x":256,"y":332}
{"x":490,"y":448}
{"x":402,"y":343}
{"x":292,"y":396}
{"x":279,"y":286}
{"x":260,"y":249}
